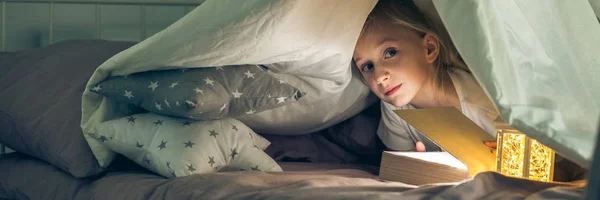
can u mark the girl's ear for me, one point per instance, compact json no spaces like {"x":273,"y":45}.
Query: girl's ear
{"x":432,"y":47}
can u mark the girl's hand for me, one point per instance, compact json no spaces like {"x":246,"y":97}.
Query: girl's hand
{"x":420,"y":147}
{"x":492,"y":146}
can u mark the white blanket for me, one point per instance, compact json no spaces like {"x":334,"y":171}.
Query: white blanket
{"x":539,"y":62}
{"x":306,"y":43}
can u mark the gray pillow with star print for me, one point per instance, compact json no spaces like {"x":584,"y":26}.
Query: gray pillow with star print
{"x":174,"y":147}
{"x":201,"y":93}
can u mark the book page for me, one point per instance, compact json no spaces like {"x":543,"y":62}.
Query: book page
{"x":443,"y":158}
{"x":454,"y":132}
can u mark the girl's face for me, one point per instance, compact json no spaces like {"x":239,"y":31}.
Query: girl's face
{"x":396,"y":63}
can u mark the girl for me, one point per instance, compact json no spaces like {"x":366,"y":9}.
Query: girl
{"x":408,"y":64}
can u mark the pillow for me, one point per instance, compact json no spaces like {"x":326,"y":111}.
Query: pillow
{"x":175,"y":147}
{"x":201,"y":93}
{"x":40,"y":108}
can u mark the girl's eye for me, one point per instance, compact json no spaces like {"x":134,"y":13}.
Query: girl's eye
{"x":390,"y":53}
{"x":367,"y":67}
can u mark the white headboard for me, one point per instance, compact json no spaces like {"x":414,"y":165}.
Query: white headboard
{"x":35,"y":23}
{"x":48,"y":21}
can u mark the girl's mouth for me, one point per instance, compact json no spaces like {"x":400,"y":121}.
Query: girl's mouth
{"x":391,"y":91}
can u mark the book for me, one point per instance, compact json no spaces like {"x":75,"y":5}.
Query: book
{"x":421,"y":168}
{"x":465,"y":153}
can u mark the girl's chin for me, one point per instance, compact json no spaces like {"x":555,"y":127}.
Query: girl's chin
{"x":396,"y":101}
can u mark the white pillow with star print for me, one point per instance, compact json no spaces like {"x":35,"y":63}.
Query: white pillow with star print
{"x":201,"y":93}
{"x":174,"y":147}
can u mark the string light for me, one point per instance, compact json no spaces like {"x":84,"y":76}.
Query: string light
{"x":521,"y":156}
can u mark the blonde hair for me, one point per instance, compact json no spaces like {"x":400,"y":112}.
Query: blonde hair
{"x":405,"y":13}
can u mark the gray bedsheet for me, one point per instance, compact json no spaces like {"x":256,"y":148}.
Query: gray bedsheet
{"x":23,"y":177}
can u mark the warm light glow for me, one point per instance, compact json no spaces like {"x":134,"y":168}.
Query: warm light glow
{"x":513,"y":151}
{"x":521,"y":156}
{"x":540,"y":162}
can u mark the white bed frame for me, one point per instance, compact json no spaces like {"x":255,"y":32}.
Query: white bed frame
{"x":98,"y":4}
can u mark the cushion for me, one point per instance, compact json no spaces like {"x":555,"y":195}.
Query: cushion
{"x":311,"y":51}
{"x":40,"y":108}
{"x":201,"y":93}
{"x":175,"y":147}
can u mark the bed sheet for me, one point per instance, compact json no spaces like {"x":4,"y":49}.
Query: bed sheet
{"x":23,"y":177}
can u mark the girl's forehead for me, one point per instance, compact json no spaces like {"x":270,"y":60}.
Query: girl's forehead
{"x":373,"y":36}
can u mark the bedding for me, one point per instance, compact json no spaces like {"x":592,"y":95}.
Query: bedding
{"x":310,"y":51}
{"x":202,"y":93}
{"x":40,"y":90}
{"x":538,"y":61}
{"x":175,"y":147}
{"x":23,"y":177}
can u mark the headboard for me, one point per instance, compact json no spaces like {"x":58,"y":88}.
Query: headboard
{"x":37,"y":23}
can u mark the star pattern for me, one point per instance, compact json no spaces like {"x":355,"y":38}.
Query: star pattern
{"x":167,"y":103}
{"x":189,"y":144}
{"x":146,"y":160}
{"x":191,"y":168}
{"x":213,"y":133}
{"x":97,"y":88}
{"x":198,"y":90}
{"x":153,"y":85}
{"x":237,"y":94}
{"x":158,"y":106}
{"x":211,"y":160}
{"x":281,"y":100}
{"x":131,"y":119}
{"x":163,"y":144}
{"x":209,"y":82}
{"x":128,"y":94}
{"x":233,"y":153}
{"x":249,"y":74}
{"x":190,"y":103}
{"x":174,"y":84}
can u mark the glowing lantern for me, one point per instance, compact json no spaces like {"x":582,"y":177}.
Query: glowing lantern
{"x":520,"y":156}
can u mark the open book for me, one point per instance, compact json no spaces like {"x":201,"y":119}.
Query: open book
{"x":420,"y":168}
{"x":463,"y":141}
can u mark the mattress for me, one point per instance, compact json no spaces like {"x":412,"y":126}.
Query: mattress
{"x":23,"y":177}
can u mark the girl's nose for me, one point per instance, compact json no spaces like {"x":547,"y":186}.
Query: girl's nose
{"x":381,"y":76}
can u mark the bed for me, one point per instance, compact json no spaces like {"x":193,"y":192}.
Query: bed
{"x":41,"y":114}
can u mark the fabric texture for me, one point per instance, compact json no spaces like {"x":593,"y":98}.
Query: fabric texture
{"x":202,"y":93}
{"x":175,"y":147}
{"x":40,"y":92}
{"x":398,"y":135}
{"x":311,"y":51}
{"x":538,"y":62}
{"x":352,"y":141}
{"x":20,"y":179}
